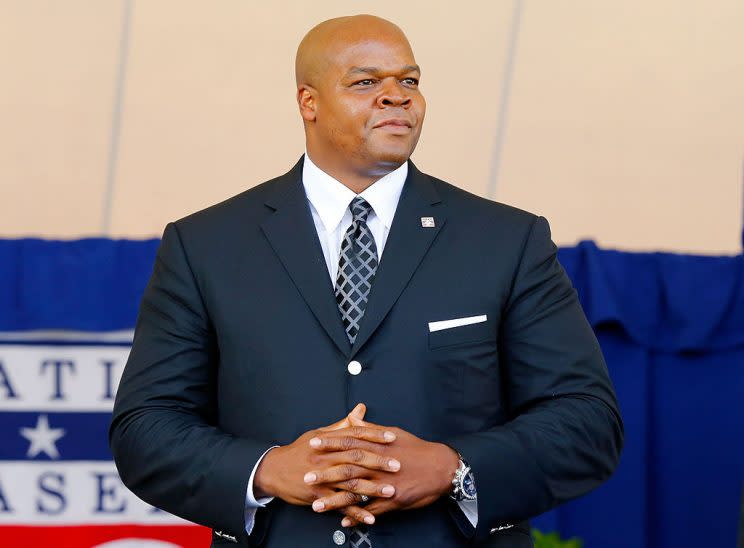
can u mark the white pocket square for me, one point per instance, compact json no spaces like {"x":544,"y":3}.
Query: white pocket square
{"x":456,"y":322}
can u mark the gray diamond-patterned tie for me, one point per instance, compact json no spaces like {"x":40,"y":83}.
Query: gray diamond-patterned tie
{"x":359,"y":538}
{"x":357,"y":265}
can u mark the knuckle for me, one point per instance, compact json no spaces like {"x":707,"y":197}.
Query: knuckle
{"x":356,"y":455}
{"x":347,"y":442}
{"x":347,"y":471}
{"x":352,"y":484}
{"x":350,"y":498}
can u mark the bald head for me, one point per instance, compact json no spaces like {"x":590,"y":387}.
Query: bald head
{"x":359,"y":98}
{"x":324,"y":41}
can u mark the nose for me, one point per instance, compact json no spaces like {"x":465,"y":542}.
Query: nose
{"x":393,"y":95}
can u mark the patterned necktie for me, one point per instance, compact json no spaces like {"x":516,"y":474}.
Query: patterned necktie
{"x":357,"y":265}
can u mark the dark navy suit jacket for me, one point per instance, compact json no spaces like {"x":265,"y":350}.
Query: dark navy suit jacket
{"x":239,"y":345}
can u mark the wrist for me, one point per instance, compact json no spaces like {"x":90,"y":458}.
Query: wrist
{"x":449,"y":461}
{"x":262,"y":482}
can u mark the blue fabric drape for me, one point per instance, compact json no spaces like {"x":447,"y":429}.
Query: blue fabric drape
{"x":671,"y":327}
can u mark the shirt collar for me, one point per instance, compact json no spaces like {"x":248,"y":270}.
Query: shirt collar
{"x":331,"y":198}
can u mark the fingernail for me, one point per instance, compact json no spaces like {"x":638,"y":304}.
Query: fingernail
{"x":346,"y":522}
{"x":369,"y":520}
{"x":394,"y":464}
{"x":388,"y":490}
{"x":389,"y":436}
{"x":318,"y":505}
{"x":310,"y":477}
{"x":315,"y":442}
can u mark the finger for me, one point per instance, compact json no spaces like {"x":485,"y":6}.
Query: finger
{"x":370,"y":460}
{"x":347,"y":471}
{"x":375,"y":508}
{"x":341,"y":500}
{"x":355,"y":420}
{"x":346,"y":438}
{"x":343,"y":423}
{"x":335,"y":474}
{"x":357,"y":465}
{"x":362,"y":486}
{"x":358,"y":413}
{"x":357,"y":515}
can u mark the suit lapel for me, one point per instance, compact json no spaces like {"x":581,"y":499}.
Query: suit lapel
{"x":407,"y":244}
{"x":292,"y":234}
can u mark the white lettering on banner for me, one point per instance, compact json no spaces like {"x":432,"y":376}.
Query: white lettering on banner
{"x":68,"y":390}
{"x":71,"y":493}
{"x":60,"y":378}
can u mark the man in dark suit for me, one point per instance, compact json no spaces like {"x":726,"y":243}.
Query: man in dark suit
{"x":270,"y":315}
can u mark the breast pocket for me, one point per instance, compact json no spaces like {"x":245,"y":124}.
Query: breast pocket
{"x":462,"y":334}
{"x":465,"y":360}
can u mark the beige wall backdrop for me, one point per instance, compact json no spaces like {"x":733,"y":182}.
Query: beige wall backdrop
{"x":621,"y":122}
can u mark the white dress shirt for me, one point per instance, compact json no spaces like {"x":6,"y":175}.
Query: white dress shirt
{"x":329,"y":202}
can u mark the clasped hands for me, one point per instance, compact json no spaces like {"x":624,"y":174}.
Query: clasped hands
{"x":330,"y":468}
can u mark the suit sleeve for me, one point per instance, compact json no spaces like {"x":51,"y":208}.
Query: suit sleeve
{"x":565,"y":434}
{"x":163,"y":433}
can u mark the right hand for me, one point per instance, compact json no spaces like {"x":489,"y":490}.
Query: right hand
{"x":283,"y":470}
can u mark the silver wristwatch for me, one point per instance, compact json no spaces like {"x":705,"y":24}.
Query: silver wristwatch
{"x":463,"y":484}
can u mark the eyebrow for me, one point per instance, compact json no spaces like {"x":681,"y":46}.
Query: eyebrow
{"x":376,"y":70}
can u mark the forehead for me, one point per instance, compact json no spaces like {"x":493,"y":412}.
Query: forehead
{"x":388,"y":53}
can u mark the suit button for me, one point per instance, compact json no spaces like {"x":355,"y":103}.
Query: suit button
{"x":339,"y":538}
{"x":354,"y":367}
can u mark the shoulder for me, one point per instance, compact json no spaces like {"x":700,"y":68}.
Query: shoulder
{"x":470,"y":209}
{"x":240,"y":212}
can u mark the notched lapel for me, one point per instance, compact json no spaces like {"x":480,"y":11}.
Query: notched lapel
{"x":291,"y":233}
{"x":406,"y":246}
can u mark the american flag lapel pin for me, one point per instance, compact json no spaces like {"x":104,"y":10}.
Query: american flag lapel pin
{"x":427,"y":222}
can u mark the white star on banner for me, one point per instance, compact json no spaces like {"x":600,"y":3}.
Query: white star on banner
{"x":42,"y":438}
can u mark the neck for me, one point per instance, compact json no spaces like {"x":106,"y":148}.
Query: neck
{"x":355,"y":178}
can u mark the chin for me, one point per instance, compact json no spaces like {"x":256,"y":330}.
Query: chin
{"x":389,"y":156}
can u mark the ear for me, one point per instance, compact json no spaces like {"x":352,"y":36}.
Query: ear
{"x":307,"y":101}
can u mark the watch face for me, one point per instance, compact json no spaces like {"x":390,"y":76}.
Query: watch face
{"x":468,"y":484}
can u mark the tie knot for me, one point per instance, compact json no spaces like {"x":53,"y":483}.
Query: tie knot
{"x":360,"y":209}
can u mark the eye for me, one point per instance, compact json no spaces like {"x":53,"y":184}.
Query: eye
{"x":410,"y":81}
{"x":365,"y":82}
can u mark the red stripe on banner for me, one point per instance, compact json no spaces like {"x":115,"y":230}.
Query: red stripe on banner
{"x":90,"y":536}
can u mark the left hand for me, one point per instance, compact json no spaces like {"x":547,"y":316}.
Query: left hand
{"x":426,"y":472}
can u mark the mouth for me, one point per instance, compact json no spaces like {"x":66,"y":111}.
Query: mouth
{"x":394,"y":123}
{"x":394,"y":126}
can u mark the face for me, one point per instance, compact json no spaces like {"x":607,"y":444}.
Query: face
{"x":368,"y":109}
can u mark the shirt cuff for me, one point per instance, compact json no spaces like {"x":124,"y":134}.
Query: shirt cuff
{"x":251,"y":503}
